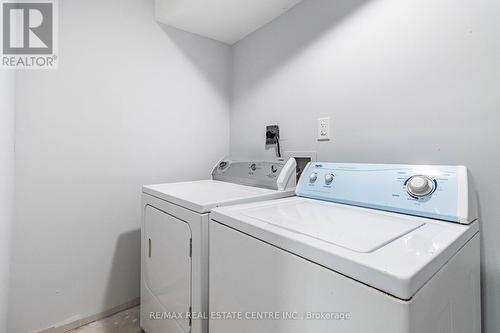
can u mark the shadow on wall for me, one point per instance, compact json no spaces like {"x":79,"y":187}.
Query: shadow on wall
{"x":486,"y":271}
{"x":193,"y":46}
{"x":126,"y":261}
{"x":306,"y":23}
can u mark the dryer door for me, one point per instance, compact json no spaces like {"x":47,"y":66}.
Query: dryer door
{"x":167,"y":262}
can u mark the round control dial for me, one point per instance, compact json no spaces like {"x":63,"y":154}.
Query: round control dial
{"x":328,"y":179}
{"x":420,"y":186}
{"x":313,"y":177}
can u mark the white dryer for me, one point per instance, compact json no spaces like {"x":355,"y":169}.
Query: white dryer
{"x":174,"y":260}
{"x":362,"y":248}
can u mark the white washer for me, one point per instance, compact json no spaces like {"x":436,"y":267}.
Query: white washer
{"x":174,"y":262}
{"x":362,"y":248}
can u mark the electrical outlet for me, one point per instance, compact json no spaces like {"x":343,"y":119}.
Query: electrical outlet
{"x":272,"y":134}
{"x":324,"y":129}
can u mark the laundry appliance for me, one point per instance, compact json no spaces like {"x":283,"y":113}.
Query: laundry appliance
{"x":174,"y":260}
{"x":361,"y":248}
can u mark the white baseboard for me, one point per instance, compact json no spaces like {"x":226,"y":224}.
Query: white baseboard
{"x":87,"y":320}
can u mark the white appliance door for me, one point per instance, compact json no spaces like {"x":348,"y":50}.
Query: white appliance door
{"x":271,"y":290}
{"x":167,"y":262}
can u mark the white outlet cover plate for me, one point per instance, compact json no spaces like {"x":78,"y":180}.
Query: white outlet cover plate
{"x":324,"y":129}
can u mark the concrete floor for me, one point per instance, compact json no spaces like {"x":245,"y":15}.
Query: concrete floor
{"x":123,"y":322}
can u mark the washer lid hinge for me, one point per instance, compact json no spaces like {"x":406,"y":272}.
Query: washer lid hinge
{"x":190,"y":247}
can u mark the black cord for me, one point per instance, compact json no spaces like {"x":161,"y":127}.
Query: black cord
{"x":278,"y":146}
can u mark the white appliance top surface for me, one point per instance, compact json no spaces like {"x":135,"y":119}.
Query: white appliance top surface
{"x":356,"y":230}
{"x":391,"y":252}
{"x":203,"y":195}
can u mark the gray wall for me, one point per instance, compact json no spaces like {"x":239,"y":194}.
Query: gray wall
{"x":6,"y":185}
{"x":413,"y":81}
{"x":132,"y":103}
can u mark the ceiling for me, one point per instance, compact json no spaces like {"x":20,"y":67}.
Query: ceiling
{"x":227,"y":21}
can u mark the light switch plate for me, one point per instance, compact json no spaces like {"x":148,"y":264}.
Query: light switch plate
{"x":324,"y":129}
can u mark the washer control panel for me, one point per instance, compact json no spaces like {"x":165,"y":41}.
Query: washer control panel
{"x":440,"y":192}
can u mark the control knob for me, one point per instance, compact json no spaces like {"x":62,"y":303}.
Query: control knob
{"x":313,"y":177}
{"x":420,"y":186}
{"x":328,"y":179}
